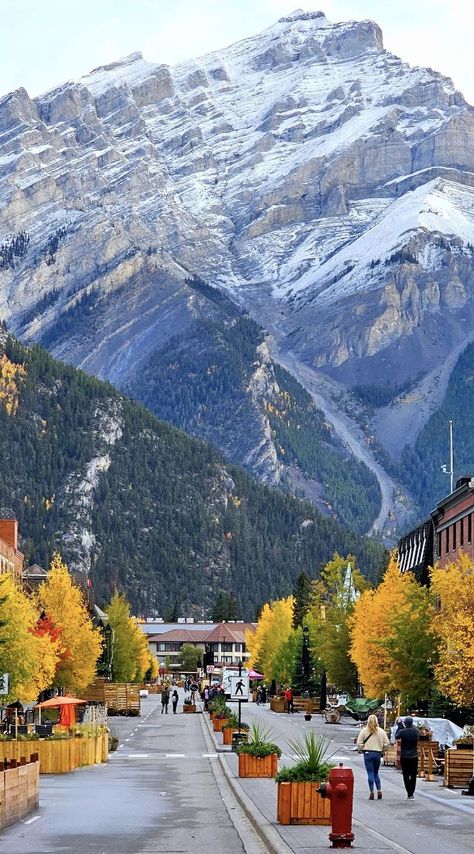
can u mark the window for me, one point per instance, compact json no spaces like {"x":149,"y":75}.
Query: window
{"x":439,"y":545}
{"x":469,"y":528}
{"x":454,"y":536}
{"x":227,"y":647}
{"x":237,"y":647}
{"x":447,"y":540}
{"x":461,"y":532}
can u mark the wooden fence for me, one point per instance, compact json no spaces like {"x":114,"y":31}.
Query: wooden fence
{"x":59,"y":756}
{"x":121,"y":698}
{"x":19,"y":791}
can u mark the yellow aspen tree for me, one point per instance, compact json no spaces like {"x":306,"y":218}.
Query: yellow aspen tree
{"x":130,"y":659}
{"x":370,"y":627}
{"x":80,"y":643}
{"x":453,"y":623}
{"x":274,"y":627}
{"x":29,"y":659}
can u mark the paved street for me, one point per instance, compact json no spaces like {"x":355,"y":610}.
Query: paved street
{"x":157,"y":793}
{"x":438,"y":821}
{"x":167,"y":790}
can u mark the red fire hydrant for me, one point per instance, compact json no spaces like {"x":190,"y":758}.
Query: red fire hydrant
{"x":340,"y":791}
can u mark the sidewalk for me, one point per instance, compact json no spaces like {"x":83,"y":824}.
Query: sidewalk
{"x":438,"y":821}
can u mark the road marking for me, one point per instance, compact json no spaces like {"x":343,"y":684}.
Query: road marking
{"x":210,"y":755}
{"x":175,"y":755}
{"x":138,"y":755}
{"x":31,"y":820}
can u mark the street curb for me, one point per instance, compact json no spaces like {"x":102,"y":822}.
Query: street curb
{"x":263,"y":828}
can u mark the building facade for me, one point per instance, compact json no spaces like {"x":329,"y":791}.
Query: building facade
{"x":441,"y":538}
{"x":225,"y":642}
{"x":11,"y":558}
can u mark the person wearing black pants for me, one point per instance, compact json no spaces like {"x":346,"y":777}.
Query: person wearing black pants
{"x":408,"y":738}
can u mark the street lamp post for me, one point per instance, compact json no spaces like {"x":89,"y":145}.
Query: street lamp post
{"x":305,"y":660}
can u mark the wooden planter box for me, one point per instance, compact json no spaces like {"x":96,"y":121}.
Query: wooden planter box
{"x":458,"y":768}
{"x":59,"y":756}
{"x":301,"y":803}
{"x":253,"y":766}
{"x":277,"y":704}
{"x":228,"y":733}
{"x":189,"y":710}
{"x":218,"y":723}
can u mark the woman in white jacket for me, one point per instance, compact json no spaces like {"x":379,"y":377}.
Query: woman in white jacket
{"x":372,"y":742}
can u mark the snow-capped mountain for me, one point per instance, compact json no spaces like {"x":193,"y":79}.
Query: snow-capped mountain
{"x":324,"y":183}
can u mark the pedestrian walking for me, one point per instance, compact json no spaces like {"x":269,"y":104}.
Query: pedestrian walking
{"x":263,"y":698}
{"x":289,"y":699}
{"x":408,"y":738}
{"x":258,"y":696}
{"x":174,"y":700}
{"x":372,"y":742}
{"x":165,"y":698}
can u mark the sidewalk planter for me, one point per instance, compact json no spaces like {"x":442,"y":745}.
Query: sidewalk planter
{"x":189,"y":709}
{"x":458,"y":767}
{"x":254,"y":766}
{"x":277,"y":704}
{"x":301,"y":803}
{"x":218,"y":723}
{"x":19,"y":791}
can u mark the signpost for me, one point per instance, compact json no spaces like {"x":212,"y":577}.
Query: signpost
{"x":236,"y":688}
{"x":4,"y":683}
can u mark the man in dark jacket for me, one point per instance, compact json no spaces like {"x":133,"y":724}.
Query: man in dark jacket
{"x":408,"y":738}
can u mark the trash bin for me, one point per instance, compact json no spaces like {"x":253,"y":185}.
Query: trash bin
{"x":238,"y":738}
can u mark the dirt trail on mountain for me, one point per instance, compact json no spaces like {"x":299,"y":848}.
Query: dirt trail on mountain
{"x":349,"y":431}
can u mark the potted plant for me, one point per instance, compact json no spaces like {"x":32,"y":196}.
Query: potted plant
{"x":231,"y":726}
{"x":425,"y":732}
{"x":258,"y":757}
{"x":221,"y":717}
{"x":466,"y":740}
{"x":299,"y":801}
{"x":188,"y":706}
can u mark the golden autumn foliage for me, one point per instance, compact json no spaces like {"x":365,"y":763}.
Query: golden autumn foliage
{"x":10,"y":377}
{"x":453,"y":584}
{"x":274,"y":629}
{"x":130,"y":655}
{"x":80,"y":642}
{"x":28,"y":657}
{"x":393,"y":644}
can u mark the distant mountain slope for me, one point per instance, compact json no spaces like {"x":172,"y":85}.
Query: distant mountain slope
{"x":134,"y":502}
{"x":321,"y":181}
{"x":217,"y":381}
{"x":420,"y":465}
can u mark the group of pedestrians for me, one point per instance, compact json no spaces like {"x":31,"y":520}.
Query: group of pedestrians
{"x":373,"y":742}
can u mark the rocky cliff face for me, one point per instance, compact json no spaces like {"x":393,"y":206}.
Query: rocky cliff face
{"x":324,"y":183}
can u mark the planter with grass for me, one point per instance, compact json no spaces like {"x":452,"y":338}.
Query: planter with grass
{"x":258,"y":757}
{"x":231,"y":726}
{"x":298,"y":798}
{"x":188,"y":707}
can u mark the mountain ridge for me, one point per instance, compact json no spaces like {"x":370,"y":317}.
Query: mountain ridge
{"x":323,"y":183}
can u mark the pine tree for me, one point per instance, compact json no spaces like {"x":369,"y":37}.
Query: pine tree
{"x":301,"y":598}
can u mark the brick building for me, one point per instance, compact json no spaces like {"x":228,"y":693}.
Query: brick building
{"x":11,"y":559}
{"x":448,"y":531}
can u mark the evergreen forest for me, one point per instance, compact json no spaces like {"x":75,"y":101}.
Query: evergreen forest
{"x":141,"y":507}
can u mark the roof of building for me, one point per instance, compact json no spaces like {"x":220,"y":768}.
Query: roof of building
{"x":34,"y":571}
{"x":217,"y":633}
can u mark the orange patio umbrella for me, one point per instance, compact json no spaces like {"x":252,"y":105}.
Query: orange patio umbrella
{"x":67,"y":713}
